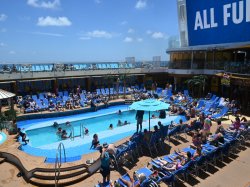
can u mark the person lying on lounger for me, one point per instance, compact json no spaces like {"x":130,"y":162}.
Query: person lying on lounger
{"x":179,"y":161}
{"x":131,"y":181}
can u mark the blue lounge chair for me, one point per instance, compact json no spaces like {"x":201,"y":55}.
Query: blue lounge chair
{"x":34,"y":97}
{"x":222,"y":113}
{"x":66,"y":93}
{"x":173,"y":132}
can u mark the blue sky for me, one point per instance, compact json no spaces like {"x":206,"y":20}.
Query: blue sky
{"x":85,"y":30}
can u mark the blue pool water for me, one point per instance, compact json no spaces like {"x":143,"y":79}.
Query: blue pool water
{"x":47,"y":135}
{"x":2,"y":137}
{"x":44,"y":141}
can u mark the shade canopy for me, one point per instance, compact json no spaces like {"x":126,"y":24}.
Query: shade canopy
{"x":149,"y":105}
{"x":5,"y":94}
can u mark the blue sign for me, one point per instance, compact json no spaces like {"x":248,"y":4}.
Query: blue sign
{"x":218,"y":21}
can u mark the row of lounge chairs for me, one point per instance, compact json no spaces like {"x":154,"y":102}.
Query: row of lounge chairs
{"x":210,"y":156}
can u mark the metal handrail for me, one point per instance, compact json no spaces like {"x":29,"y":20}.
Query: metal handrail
{"x":72,"y":131}
{"x":82,"y":130}
{"x":58,"y":162}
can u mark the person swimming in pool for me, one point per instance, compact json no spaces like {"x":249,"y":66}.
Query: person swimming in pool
{"x":55,"y":124}
{"x":86,"y":131}
{"x":64,"y":135}
{"x":119,"y":123}
{"x":119,"y":112}
{"x":126,"y":122}
{"x":68,"y":123}
{"x":95,"y":142}
{"x":111,"y":126}
{"x":59,"y":131}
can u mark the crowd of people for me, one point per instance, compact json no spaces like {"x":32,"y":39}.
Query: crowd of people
{"x":59,"y":102}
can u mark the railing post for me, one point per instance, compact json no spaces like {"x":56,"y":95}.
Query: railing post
{"x":58,"y":163}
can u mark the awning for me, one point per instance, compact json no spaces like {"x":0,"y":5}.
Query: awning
{"x":33,"y":80}
{"x":73,"y":78}
{"x":7,"y":82}
{"x":5,"y":94}
{"x":233,"y":76}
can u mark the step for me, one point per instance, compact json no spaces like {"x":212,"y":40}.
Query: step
{"x":61,"y":182}
{"x":63,"y":175}
{"x":70,"y":168}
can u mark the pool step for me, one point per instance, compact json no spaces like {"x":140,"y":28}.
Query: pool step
{"x":61,"y":182}
{"x":63,"y":174}
{"x":68,"y":176}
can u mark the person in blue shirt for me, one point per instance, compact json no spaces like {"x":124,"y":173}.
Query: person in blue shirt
{"x":105,"y":164}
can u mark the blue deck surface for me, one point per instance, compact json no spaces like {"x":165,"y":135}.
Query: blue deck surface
{"x":80,"y":146}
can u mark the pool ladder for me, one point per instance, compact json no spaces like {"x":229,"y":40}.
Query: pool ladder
{"x":82,"y":130}
{"x":72,"y":132}
{"x":58,"y":162}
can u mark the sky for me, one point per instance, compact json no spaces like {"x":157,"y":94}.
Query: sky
{"x":85,"y":30}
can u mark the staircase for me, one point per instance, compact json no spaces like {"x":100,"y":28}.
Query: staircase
{"x":68,"y":176}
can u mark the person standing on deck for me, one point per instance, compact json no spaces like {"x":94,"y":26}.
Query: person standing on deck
{"x":139,"y":118}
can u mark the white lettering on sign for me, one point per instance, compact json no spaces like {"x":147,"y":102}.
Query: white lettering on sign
{"x":226,"y":14}
{"x":248,"y":11}
{"x":201,"y":22}
{"x":240,"y":12}
{"x":198,"y":21}
{"x":233,"y":13}
{"x":206,"y":24}
{"x":213,"y":23}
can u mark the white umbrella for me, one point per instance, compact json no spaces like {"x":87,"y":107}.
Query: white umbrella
{"x":5,"y":94}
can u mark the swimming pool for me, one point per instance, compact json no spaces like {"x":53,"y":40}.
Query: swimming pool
{"x":2,"y":137}
{"x":44,"y":141}
{"x":47,"y":135}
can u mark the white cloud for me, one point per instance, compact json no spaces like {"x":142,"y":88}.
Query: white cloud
{"x":2,"y":44}
{"x":141,"y":4}
{"x":124,"y":23}
{"x":3,"y":17}
{"x":44,"y":4}
{"x":12,"y":52}
{"x":99,"y":34}
{"x":131,"y":30}
{"x":158,"y":35}
{"x":139,"y":40}
{"x":48,"y":34}
{"x":128,"y":39}
{"x":53,"y":21}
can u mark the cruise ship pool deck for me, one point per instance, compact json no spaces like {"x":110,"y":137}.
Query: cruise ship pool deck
{"x":44,"y":141}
